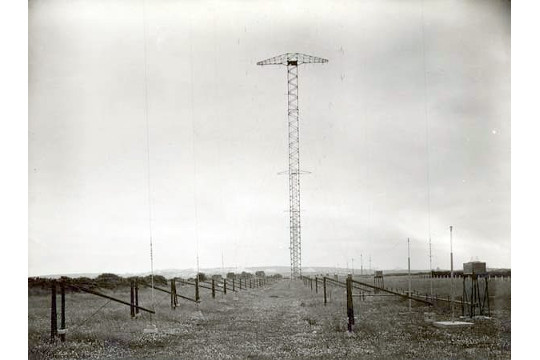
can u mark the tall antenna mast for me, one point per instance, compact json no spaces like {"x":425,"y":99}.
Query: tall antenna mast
{"x":152,"y":328}
{"x":292,"y":60}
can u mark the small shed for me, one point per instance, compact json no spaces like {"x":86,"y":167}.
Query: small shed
{"x":474,"y":268}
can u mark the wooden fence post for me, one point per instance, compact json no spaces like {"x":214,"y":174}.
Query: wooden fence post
{"x":233,"y":285}
{"x":131,"y":300}
{"x":197,"y":288}
{"x":324,"y":289}
{"x":350,"y":310}
{"x":53,"y":311}
{"x":136,"y":297}
{"x":62,"y":312}
{"x":316,"y":285}
{"x":173,"y":295}
{"x":213,"y":289}
{"x":224,"y":286}
{"x":311,"y":283}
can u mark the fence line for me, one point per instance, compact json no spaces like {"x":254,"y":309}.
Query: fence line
{"x":134,"y":298}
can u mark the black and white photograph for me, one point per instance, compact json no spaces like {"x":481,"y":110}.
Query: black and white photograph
{"x":269,"y":179}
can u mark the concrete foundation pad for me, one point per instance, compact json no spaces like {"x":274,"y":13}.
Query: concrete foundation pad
{"x":152,"y":329}
{"x":451,"y":324}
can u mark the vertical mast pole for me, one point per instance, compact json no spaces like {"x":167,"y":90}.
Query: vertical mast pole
{"x":452,"y":271}
{"x":409,"y":269}
{"x":292,"y":60}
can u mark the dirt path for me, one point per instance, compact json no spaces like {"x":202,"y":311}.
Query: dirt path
{"x":269,"y":322}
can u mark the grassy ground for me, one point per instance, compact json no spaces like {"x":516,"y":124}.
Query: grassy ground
{"x":285,"y":320}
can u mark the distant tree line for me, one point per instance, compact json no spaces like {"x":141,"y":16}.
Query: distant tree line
{"x":39,"y":285}
{"x":103,"y":281}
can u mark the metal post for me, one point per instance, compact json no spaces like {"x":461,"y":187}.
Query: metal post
{"x":62,"y":312}
{"x":452,"y":271}
{"x":54,"y":326}
{"x":197,"y":288}
{"x":430,"y":270}
{"x":233,"y":285}
{"x":316,"y":285}
{"x":213,"y":289}
{"x":224,"y":286}
{"x":409,"y":270}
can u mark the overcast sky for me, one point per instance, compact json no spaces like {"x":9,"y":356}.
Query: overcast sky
{"x":414,"y":104}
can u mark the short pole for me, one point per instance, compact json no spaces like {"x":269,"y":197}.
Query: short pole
{"x":224,"y":286}
{"x":213,"y":289}
{"x":324,"y":289}
{"x":62,"y":311}
{"x":350,"y":310}
{"x":136,"y":297}
{"x":197,"y":288}
{"x":409,"y":271}
{"x":53,"y":312}
{"x":452,"y":272}
{"x":316,"y":285}
{"x":173,"y":295}
{"x":132,"y":300}
{"x":233,"y":285}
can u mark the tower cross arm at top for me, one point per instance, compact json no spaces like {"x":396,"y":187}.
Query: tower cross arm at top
{"x":292,"y":59}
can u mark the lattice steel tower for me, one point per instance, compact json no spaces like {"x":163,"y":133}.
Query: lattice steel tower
{"x":292,"y":60}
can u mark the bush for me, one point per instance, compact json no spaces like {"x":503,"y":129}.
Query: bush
{"x":110,"y":281}
{"x":246,"y":275}
{"x":158,"y":280}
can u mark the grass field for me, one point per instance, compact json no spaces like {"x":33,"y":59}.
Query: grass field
{"x":284,"y":320}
